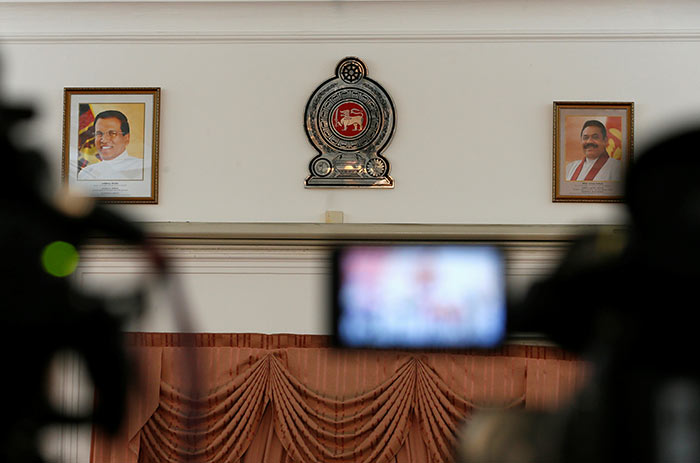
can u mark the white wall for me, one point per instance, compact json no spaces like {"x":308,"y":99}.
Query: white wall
{"x":473,"y":84}
{"x":254,"y":289}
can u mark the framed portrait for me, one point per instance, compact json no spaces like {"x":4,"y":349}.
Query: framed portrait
{"x":593,"y":147}
{"x":110,"y":143}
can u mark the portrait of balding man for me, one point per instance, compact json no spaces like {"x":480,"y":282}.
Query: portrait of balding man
{"x":112,"y":137}
{"x":595,"y":163}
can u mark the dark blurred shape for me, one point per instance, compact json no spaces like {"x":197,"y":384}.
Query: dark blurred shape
{"x":507,"y":437}
{"x":624,"y":300}
{"x":42,"y":313}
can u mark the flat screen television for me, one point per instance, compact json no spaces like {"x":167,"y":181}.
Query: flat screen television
{"x":418,"y":296}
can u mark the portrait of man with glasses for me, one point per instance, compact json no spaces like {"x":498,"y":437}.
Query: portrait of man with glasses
{"x":112,"y":136}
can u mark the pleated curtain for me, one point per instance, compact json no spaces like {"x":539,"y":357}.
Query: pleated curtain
{"x":219,"y":398}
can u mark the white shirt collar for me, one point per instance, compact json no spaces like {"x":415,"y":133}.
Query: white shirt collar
{"x":121,"y":157}
{"x":587,"y":160}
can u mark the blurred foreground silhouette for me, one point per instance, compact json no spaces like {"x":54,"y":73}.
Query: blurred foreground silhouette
{"x":42,"y":312}
{"x":625,"y":302}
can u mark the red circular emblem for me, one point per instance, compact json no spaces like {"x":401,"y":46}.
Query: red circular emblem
{"x":349,"y":119}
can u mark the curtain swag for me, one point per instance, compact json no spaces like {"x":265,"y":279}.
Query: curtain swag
{"x":291,"y":399}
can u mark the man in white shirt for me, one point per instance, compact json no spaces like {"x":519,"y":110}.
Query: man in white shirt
{"x":111,"y":139}
{"x":596,"y":165}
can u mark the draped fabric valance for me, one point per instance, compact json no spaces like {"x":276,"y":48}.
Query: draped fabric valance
{"x":290,"y":398}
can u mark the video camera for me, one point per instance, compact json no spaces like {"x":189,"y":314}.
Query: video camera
{"x":43,"y":313}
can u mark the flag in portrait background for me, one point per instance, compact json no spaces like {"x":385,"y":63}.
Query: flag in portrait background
{"x":613,"y":125}
{"x":87,"y":152}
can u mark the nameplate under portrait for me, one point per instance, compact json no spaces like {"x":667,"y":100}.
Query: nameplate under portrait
{"x":110,"y":143}
{"x":593,"y":148}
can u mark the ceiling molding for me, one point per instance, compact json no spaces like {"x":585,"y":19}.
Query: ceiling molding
{"x":493,"y":36}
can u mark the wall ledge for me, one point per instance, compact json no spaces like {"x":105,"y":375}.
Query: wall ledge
{"x":322,"y":233}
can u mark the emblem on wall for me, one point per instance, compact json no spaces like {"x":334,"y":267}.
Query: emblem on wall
{"x":350,"y":120}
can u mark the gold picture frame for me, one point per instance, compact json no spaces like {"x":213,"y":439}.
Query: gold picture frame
{"x":593,"y":148}
{"x":111,"y":142}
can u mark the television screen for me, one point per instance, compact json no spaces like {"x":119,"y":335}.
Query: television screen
{"x":422,"y":297}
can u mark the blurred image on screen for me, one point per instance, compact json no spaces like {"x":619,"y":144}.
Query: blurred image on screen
{"x":421,"y":296}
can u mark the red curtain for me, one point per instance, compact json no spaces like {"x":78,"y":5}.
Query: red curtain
{"x":290,"y":398}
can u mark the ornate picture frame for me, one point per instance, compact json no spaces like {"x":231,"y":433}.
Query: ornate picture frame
{"x":593,"y":148}
{"x":111,"y":142}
